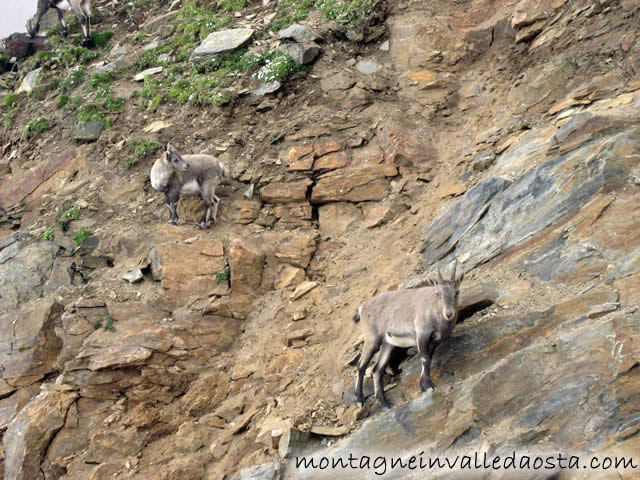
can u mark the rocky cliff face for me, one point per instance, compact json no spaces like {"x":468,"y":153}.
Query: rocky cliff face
{"x":503,"y":134}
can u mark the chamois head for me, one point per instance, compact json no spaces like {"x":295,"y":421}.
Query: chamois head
{"x":174,"y":159}
{"x":447,"y":292}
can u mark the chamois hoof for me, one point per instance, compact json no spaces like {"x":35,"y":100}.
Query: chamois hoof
{"x":200,"y":226}
{"x":385,"y":405}
{"x":172,"y":222}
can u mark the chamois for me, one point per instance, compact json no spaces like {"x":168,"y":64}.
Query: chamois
{"x":173,"y":174}
{"x":419,"y":317}
{"x":81,"y":8}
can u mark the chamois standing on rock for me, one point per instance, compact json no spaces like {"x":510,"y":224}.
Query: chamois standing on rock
{"x":419,"y":317}
{"x":81,"y":8}
{"x":173,"y":174}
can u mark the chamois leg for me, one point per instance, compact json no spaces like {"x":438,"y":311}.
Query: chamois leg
{"x":378,"y":374}
{"x":86,"y":8}
{"x":42,"y":9}
{"x":368,"y":351}
{"x":171,"y":198}
{"x":63,"y":25}
{"x":426,"y":347}
{"x":83,"y":24}
{"x":214,"y":209}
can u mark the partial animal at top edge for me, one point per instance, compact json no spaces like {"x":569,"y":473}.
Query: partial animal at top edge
{"x":81,"y":9}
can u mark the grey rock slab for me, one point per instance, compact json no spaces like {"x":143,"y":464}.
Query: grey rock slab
{"x":384,"y":47}
{"x":497,"y":215}
{"x":301,"y":53}
{"x":367,"y":67}
{"x":265,"y":471}
{"x":133,"y":276}
{"x":22,"y":277}
{"x":224,"y":41}
{"x":29,"y":434}
{"x":30,"y":81}
{"x":87,"y":132}
{"x":149,"y":71}
{"x":299,"y":33}
{"x":266,"y":88}
{"x":111,"y":67}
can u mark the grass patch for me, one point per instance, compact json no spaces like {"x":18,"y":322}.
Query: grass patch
{"x":11,"y":100}
{"x":75,"y":78}
{"x":101,"y":39}
{"x":101,"y":84}
{"x":47,"y":234}
{"x":140,"y":149}
{"x":113,"y":105}
{"x":278,"y":67}
{"x":223,"y":276}
{"x":35,"y":126}
{"x":232,"y":5}
{"x":63,"y":101}
{"x":8,"y":119}
{"x":68,"y":216}
{"x":108,"y":324}
{"x":291,"y":11}
{"x":153,"y":92}
{"x":349,"y":12}
{"x":90,"y":113}
{"x":81,"y":236}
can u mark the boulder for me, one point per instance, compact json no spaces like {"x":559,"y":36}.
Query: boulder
{"x":30,"y":81}
{"x":284,"y":192}
{"x":301,"y":53}
{"x":17,"y":187}
{"x":29,"y":342}
{"x":25,"y":272}
{"x":353,"y":185}
{"x":221,"y":42}
{"x":187,"y":270}
{"x":337,"y":218}
{"x":299,"y":33}
{"x":30,"y":432}
{"x":87,"y":132}
{"x":497,"y":215}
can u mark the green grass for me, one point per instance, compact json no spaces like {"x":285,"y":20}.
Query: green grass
{"x":278,"y":67}
{"x":291,"y":11}
{"x":75,"y":78}
{"x":232,"y":5}
{"x":101,"y":84}
{"x":113,"y":105}
{"x":101,"y":39}
{"x":66,"y":217}
{"x":81,"y":236}
{"x":47,"y":234}
{"x":11,"y":100}
{"x":223,"y":276}
{"x":108,"y":324}
{"x":35,"y":126}
{"x":90,"y":113}
{"x":349,"y":12}
{"x":8,"y":119}
{"x":140,"y":149}
{"x":63,"y":101}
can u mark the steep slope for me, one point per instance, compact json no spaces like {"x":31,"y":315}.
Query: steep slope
{"x":502,"y":134}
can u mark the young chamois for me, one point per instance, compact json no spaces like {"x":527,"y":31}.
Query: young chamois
{"x":418,"y":317}
{"x":173,"y":174}
{"x":81,"y":8}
